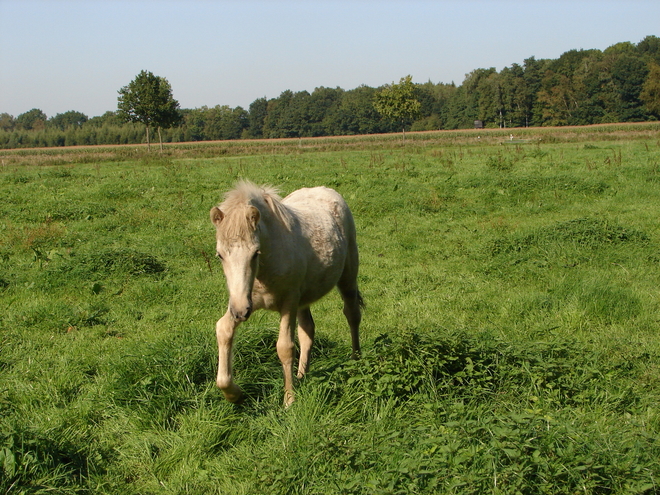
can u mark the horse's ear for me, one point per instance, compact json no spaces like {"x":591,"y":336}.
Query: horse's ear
{"x":216,"y":215}
{"x":253,"y":216}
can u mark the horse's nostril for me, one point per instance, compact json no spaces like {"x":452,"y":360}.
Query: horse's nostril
{"x":241,"y":315}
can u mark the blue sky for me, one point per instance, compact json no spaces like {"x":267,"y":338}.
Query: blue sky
{"x":60,"y":55}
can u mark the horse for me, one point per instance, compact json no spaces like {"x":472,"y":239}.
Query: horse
{"x":283,"y":255}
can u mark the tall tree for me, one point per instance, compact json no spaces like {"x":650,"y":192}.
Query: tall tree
{"x":490,"y":99}
{"x":398,"y":102}
{"x":322,"y":105}
{"x":68,"y":119}
{"x":649,"y":48}
{"x":275,"y":113}
{"x":558,"y":99}
{"x":533,"y":76}
{"x":513,"y":92}
{"x":257,"y":115}
{"x":148,"y":99}
{"x":223,"y":122}
{"x":478,"y":97}
{"x":108,"y":118}
{"x":194,"y":123}
{"x":295,"y":119}
{"x":628,"y":74}
{"x":33,"y":119}
{"x":6,"y":122}
{"x":355,"y":114}
{"x":650,"y":94}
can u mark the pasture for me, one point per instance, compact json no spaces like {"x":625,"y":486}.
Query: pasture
{"x":510,"y":341}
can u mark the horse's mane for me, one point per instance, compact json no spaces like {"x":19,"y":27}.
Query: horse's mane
{"x":245,"y":194}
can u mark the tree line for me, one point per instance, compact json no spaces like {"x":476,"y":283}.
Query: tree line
{"x":618,"y":84}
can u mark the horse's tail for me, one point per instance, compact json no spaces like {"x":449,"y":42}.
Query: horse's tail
{"x":360,"y":300}
{"x":353,"y":295}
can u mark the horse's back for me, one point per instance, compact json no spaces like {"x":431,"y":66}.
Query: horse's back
{"x":327,"y":227}
{"x":320,"y":205}
{"x":319,"y":199}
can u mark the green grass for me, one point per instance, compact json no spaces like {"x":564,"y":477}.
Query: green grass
{"x":510,"y":340}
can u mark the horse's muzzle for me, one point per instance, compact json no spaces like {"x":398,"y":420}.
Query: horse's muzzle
{"x":241,"y":315}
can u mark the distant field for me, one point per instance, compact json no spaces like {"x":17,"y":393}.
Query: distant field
{"x":211,"y":149}
{"x":510,"y":340}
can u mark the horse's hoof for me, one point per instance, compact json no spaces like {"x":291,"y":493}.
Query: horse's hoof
{"x":234,"y":394}
{"x":289,"y":398}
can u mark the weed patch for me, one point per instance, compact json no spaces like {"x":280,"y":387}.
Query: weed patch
{"x":81,"y":211}
{"x":589,"y":233}
{"x":467,"y":368}
{"x":113,"y":261}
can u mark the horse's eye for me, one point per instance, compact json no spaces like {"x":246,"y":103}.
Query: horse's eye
{"x":219,"y":256}
{"x":256,"y":254}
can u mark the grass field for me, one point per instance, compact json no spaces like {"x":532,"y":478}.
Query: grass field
{"x":510,"y":343}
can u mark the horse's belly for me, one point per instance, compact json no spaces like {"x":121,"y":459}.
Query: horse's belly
{"x":311,"y":290}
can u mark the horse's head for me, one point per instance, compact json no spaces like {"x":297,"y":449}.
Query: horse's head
{"x":237,"y":245}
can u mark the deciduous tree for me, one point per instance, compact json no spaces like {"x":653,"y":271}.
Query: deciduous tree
{"x":68,"y":119}
{"x":398,"y":102}
{"x":32,"y":119}
{"x":148,"y":99}
{"x":257,"y":115}
{"x":650,"y":94}
{"x":355,"y":113}
{"x":6,"y":122}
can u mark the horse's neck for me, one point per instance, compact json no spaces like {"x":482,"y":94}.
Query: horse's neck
{"x":277,"y":244}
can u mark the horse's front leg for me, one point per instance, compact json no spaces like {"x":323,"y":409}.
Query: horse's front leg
{"x":285,"y":349}
{"x":306,"y":332}
{"x":224,"y":332}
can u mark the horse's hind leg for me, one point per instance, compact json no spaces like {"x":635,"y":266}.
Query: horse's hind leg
{"x":306,"y":329}
{"x":348,"y":286}
{"x":352,"y":309}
